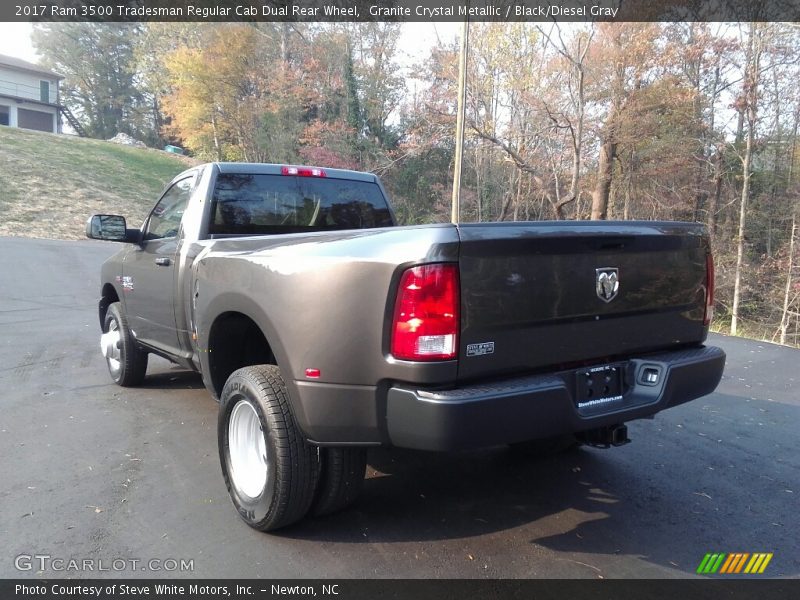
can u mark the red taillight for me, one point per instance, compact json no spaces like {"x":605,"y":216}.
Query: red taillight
{"x":709,"y":314}
{"x":303,"y":171}
{"x":425,"y":325}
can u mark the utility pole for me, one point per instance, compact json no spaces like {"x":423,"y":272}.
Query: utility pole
{"x":462,"y":106}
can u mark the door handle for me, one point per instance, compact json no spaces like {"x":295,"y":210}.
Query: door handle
{"x":163,"y":261}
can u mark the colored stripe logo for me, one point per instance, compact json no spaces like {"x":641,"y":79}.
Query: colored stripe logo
{"x":734,"y":563}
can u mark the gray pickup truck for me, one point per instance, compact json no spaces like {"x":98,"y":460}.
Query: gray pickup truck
{"x":323,"y":328}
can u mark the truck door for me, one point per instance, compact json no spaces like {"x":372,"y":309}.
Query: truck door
{"x":149,"y":271}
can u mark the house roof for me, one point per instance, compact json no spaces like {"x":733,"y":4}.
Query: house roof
{"x":18,"y":64}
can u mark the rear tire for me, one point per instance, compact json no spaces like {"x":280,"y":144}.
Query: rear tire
{"x":271,"y":472}
{"x":127,"y":363}
{"x":341,"y":479}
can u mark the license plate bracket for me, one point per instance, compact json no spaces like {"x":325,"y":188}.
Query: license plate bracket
{"x":598,"y":389}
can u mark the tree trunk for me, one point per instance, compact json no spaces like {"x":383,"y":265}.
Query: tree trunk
{"x":750,"y":97}
{"x":737,"y":281}
{"x":611,"y":212}
{"x":217,"y":149}
{"x":285,"y":44}
{"x":577,"y":139}
{"x":626,"y":209}
{"x":478,"y":184}
{"x":713,"y":204}
{"x":608,"y":151}
{"x":701,"y":159}
{"x":602,"y":190}
{"x":788,"y":289}
{"x":790,"y":267}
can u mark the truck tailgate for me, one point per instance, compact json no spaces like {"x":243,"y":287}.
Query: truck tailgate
{"x":538,"y":295}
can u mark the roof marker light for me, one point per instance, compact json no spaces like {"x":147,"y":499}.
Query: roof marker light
{"x":303,"y":171}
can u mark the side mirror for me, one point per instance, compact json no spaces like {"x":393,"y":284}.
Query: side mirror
{"x":111,"y":228}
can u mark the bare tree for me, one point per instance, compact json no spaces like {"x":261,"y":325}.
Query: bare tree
{"x":748,"y":102}
{"x":575,"y":56}
{"x":788,"y":289}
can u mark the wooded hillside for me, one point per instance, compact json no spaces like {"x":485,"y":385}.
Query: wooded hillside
{"x":688,"y":121}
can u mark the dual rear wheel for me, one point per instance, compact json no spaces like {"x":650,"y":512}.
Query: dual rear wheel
{"x":274,"y":477}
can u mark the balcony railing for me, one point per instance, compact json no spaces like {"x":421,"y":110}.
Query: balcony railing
{"x":27,"y":92}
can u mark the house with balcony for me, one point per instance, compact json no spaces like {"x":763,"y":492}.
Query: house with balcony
{"x":29,"y":96}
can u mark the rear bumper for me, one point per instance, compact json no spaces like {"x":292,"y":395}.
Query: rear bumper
{"x":541,"y":406}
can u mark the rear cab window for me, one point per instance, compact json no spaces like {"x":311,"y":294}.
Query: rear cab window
{"x":260,"y":204}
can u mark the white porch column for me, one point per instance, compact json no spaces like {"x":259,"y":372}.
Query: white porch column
{"x":12,"y":115}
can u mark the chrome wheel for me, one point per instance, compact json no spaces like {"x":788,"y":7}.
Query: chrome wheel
{"x":127,"y":362}
{"x":270,"y":470}
{"x":248,"y":450}
{"x":110,"y":343}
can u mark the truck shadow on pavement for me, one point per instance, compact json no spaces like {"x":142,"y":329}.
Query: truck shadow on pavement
{"x":665,"y":503}
{"x":172,"y":377}
{"x":417,"y":496}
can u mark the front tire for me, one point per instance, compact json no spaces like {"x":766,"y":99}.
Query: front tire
{"x":271,"y":472}
{"x":127,"y":363}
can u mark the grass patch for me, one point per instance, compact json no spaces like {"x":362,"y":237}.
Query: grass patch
{"x":50,"y":184}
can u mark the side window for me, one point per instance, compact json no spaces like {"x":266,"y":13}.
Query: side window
{"x":165,"y":220}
